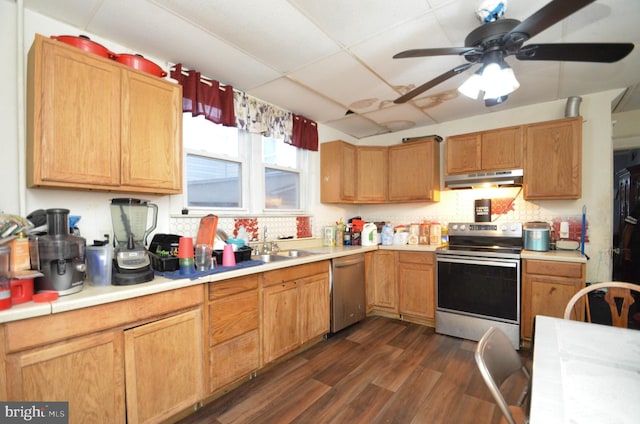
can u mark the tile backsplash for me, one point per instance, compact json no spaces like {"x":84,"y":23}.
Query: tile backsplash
{"x":277,"y":226}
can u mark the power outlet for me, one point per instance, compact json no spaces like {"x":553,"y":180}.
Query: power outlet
{"x":564,"y":230}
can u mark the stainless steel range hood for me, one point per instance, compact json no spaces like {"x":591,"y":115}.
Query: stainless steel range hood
{"x":485,"y":179}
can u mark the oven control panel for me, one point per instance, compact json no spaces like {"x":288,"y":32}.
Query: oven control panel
{"x":486,"y":229}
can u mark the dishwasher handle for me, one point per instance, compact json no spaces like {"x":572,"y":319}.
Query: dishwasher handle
{"x":339,"y":263}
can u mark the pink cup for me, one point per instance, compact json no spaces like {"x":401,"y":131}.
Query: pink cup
{"x":228,"y":256}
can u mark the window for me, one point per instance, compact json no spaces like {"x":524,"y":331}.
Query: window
{"x":281,"y":175}
{"x":213,"y":164}
{"x":227,"y":170}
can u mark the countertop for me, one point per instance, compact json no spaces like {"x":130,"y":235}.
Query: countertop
{"x":555,"y":255}
{"x":92,"y":296}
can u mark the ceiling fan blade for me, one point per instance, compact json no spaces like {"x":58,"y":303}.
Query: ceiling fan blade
{"x":576,"y":52}
{"x":433,"y":52}
{"x":429,"y":84}
{"x":550,"y":14}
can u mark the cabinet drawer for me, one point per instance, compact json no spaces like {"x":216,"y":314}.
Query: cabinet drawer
{"x":234,"y":359}
{"x":294,"y":272}
{"x":233,"y":316}
{"x":426,"y":258}
{"x":556,"y":269}
{"x":220,"y":289}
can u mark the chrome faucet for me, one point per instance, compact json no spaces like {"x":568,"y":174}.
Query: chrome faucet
{"x":265,"y":245}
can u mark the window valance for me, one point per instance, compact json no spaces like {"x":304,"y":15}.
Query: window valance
{"x":202,"y":96}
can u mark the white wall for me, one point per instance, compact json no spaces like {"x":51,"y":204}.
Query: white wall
{"x":455,"y":205}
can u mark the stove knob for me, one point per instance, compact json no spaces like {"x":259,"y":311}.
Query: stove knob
{"x":454,"y":227}
{"x":463,"y":227}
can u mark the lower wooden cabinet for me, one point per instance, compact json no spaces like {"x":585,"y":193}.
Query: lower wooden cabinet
{"x":547,"y":287}
{"x":137,"y":360}
{"x":402,"y":284}
{"x":280,"y":320}
{"x":417,"y":286}
{"x":234,"y":338}
{"x":382,"y":292}
{"x":87,"y":372}
{"x":164,"y":367}
{"x":295,"y":308}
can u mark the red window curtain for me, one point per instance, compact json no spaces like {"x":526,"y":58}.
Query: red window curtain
{"x":304,"y":133}
{"x":202,"y":96}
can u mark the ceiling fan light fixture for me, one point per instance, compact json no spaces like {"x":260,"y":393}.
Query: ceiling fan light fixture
{"x":500,"y":83}
{"x":493,"y":80}
{"x":472,"y":86}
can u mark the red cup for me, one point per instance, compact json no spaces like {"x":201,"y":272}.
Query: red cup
{"x":185,"y":247}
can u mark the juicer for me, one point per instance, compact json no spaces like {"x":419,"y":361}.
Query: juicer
{"x":131,"y":263}
{"x":58,"y":255}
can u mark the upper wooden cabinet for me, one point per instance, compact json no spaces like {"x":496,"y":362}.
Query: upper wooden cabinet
{"x":408,"y":172}
{"x":372,"y":174}
{"x":553,"y":160}
{"x":337,"y":172}
{"x":485,"y":151}
{"x":414,"y":171}
{"x":98,"y":125}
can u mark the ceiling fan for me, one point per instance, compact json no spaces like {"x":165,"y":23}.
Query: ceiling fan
{"x":490,"y":43}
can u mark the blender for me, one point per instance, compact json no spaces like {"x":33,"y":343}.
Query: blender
{"x":131,"y":263}
{"x":58,"y":255}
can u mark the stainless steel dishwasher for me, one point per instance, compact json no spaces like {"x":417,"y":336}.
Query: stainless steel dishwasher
{"x":348,"y":300}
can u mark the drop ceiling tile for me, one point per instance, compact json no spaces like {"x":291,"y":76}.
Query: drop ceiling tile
{"x":344,"y":80}
{"x":424,"y":32}
{"x":74,"y":12}
{"x":357,"y":126}
{"x":256,"y":28}
{"x":349,"y":22}
{"x":395,"y":116}
{"x":293,"y":97}
{"x":178,"y":42}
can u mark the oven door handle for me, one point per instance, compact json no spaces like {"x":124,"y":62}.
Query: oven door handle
{"x":513,"y":263}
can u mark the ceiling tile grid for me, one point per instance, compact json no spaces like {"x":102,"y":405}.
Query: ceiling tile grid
{"x":332,"y":60}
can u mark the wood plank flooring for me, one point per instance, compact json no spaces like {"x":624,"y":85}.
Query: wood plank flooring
{"x":378,"y":371}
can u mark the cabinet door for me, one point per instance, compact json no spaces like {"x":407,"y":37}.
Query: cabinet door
{"x":151,"y":134}
{"x":73,"y":128}
{"x":414,"y":171}
{"x":547,"y":287}
{"x":383,"y":281}
{"x":372,"y":174}
{"x":463,"y":153}
{"x":87,"y":372}
{"x":314,"y":306}
{"x":502,"y":149}
{"x":337,"y":172}
{"x":281,"y":329}
{"x":416,"y":284}
{"x":553,"y":160}
{"x":164,"y":367}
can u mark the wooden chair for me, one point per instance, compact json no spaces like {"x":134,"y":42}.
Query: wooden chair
{"x":616,"y":290}
{"x":497,"y":361}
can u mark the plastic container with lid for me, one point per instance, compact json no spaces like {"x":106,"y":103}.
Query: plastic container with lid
{"x":387,"y":235}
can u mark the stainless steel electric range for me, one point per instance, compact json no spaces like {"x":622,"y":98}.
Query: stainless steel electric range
{"x":478,"y":280}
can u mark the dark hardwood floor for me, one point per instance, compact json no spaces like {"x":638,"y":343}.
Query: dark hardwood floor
{"x":378,"y":371}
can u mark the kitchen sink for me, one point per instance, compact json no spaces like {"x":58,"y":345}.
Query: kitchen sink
{"x":270,"y":258}
{"x":297,"y":253}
